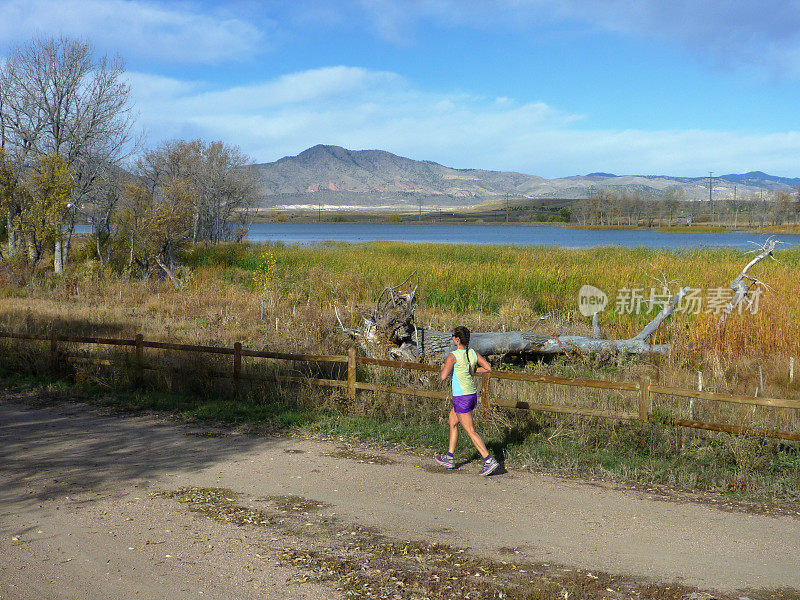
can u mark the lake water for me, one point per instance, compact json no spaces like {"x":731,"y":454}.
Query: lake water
{"x":520,"y":235}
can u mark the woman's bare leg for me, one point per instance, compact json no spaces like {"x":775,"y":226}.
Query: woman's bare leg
{"x":469,"y":427}
{"x":453,"y":422}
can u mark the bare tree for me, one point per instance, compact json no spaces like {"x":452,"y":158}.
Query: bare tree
{"x":217,"y":178}
{"x":672,"y":198}
{"x":626,"y":205}
{"x":602,"y":207}
{"x":14,"y":150}
{"x":796,"y":206}
{"x":637,"y":206}
{"x":228,"y":191}
{"x":101,"y":212}
{"x":784,"y":205}
{"x":583,"y":210}
{"x":59,"y":100}
{"x":155,"y":226}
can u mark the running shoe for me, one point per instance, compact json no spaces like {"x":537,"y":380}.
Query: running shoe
{"x":489,"y":467}
{"x":448,"y":462}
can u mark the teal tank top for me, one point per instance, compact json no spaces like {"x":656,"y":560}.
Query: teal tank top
{"x":463,"y":370}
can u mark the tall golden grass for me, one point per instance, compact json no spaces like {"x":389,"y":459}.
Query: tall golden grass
{"x":282,"y":297}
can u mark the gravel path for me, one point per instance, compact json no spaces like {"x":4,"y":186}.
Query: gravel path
{"x":82,"y":514}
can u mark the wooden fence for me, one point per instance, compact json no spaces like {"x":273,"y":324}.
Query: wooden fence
{"x":644,"y":390}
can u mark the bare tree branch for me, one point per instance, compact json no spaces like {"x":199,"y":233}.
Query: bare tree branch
{"x":740,"y":286}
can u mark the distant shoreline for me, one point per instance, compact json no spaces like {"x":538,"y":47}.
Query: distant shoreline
{"x":476,"y":216}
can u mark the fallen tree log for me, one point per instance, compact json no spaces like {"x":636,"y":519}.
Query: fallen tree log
{"x":393,"y":332}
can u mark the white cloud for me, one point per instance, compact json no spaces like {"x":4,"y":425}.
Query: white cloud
{"x":153,"y":88}
{"x":164,"y":32}
{"x":315,"y":85}
{"x":360,"y":109}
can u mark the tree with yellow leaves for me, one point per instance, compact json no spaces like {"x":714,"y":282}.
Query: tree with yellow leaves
{"x":57,"y":96}
{"x":46,"y":191}
{"x":156,"y":224}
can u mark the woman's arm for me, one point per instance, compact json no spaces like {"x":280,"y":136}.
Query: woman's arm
{"x":447,"y":367}
{"x":483,"y":365}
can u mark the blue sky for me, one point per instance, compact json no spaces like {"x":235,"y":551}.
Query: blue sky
{"x":546,"y":88}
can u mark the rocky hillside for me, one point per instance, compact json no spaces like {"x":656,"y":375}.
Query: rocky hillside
{"x":335,"y":176}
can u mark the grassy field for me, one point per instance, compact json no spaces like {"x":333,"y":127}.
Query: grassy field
{"x":490,"y":286}
{"x":282,"y":297}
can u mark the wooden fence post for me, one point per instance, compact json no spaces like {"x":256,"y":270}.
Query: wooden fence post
{"x":53,"y":351}
{"x":692,"y":408}
{"x":351,"y":373}
{"x":237,"y":364}
{"x":644,"y":400}
{"x":485,"y":390}
{"x":139,"y":358}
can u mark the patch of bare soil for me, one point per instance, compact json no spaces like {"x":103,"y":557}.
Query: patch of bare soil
{"x":363,"y":457}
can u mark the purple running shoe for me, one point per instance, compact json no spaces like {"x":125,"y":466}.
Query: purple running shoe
{"x":448,"y":462}
{"x":489,"y":466}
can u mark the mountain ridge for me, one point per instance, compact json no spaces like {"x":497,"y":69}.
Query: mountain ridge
{"x":335,"y":176}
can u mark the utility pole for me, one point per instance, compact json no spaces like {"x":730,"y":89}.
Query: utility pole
{"x":735,"y":207}
{"x":319,"y":211}
{"x":506,"y":208}
{"x":710,"y":199}
{"x":420,"y":209}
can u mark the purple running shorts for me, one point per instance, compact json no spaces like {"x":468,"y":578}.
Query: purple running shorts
{"x":465,"y":404}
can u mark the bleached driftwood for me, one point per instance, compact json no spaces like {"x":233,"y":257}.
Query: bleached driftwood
{"x":743,"y":283}
{"x":390,"y":326}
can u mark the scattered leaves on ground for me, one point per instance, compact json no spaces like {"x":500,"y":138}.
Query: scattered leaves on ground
{"x":364,"y":565}
{"x":363,"y":457}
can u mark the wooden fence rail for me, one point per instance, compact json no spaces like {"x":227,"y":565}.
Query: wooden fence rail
{"x":644,"y":390}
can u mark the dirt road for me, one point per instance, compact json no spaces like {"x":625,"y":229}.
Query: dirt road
{"x":81,"y":515}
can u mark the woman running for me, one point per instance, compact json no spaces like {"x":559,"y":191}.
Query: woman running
{"x":464,"y":363}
